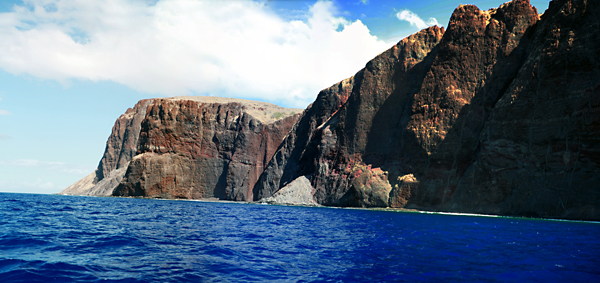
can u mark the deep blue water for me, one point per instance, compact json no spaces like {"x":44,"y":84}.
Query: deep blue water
{"x":46,"y":238}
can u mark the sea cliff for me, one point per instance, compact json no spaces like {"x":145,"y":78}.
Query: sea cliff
{"x":497,"y":114}
{"x":189,"y":147}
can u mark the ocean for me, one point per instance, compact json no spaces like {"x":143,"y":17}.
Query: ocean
{"x":50,"y":238}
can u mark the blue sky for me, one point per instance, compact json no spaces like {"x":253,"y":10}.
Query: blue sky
{"x":68,"y":69}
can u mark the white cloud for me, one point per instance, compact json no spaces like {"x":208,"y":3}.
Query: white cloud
{"x":220,"y":48}
{"x":4,"y":112}
{"x":48,"y":165}
{"x":4,"y":137}
{"x":414,"y":20}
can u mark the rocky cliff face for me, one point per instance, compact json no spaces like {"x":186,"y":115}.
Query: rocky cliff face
{"x":498,"y":114}
{"x":189,"y":147}
{"x":539,"y":153}
{"x":121,"y":146}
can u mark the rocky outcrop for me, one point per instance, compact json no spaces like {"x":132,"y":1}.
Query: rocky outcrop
{"x":81,"y":187}
{"x":284,"y":167}
{"x":327,"y":141}
{"x":539,"y":153}
{"x":189,"y":147}
{"x":122,"y":143}
{"x":298,"y":192}
{"x":121,"y":146}
{"x":498,"y":114}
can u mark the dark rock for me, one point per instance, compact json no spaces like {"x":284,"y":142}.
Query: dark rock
{"x":498,"y":114}
{"x":344,"y":117}
{"x":540,"y":150}
{"x":284,"y":166}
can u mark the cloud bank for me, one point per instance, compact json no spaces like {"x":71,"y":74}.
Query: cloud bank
{"x":414,"y":20}
{"x":220,"y":48}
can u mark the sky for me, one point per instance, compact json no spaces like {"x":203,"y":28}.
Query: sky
{"x":70,"y":68}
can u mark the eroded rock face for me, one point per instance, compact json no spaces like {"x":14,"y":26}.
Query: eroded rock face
{"x":478,"y":58}
{"x":497,"y":114}
{"x":121,"y":146}
{"x":539,"y":153}
{"x":328,"y":140}
{"x":190,"y":149}
{"x":284,"y":167}
{"x":341,"y":120}
{"x":122,"y":143}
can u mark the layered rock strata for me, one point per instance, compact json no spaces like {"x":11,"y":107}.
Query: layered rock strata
{"x":498,"y":114}
{"x":189,"y":147}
